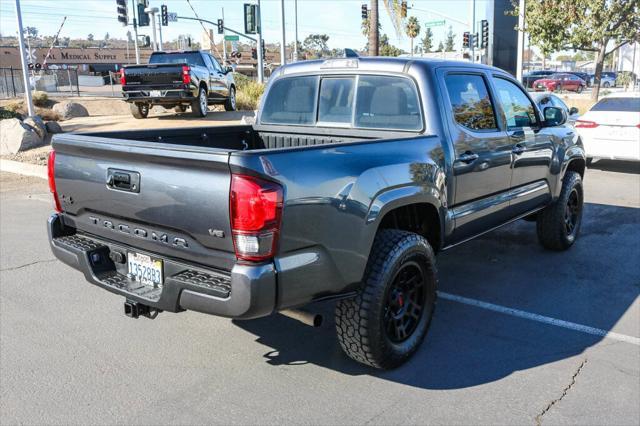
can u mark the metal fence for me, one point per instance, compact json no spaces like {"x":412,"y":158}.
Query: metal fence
{"x":51,"y":81}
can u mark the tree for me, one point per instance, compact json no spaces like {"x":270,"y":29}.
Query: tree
{"x":90,"y":37}
{"x":412,"y":29}
{"x":31,"y":32}
{"x":393,"y":8}
{"x":427,"y":40}
{"x":106,"y":37}
{"x":440,"y":47}
{"x":316,"y":44}
{"x":449,"y":43}
{"x":387,"y":49}
{"x":599,"y":26}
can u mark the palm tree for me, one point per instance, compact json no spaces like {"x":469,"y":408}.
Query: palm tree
{"x":394,"y":10}
{"x":412,"y":29}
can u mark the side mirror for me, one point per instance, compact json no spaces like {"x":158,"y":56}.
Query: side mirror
{"x":228,"y":69}
{"x":554,"y":116}
{"x":573,"y":110}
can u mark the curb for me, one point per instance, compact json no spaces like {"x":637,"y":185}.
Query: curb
{"x":25,"y":169}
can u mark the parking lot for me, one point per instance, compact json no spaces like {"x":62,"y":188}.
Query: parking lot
{"x":520,"y":336}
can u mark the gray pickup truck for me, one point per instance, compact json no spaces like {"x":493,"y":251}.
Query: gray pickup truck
{"x":355,"y":174}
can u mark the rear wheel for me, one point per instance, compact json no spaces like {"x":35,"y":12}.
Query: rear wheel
{"x":606,"y":84}
{"x":230,"y":103}
{"x":199,"y":105}
{"x":579,"y":89}
{"x":386,"y":322}
{"x":558,"y":224}
{"x":180,"y":108}
{"x":139,"y":110}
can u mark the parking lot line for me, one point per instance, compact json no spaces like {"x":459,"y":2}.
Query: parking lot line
{"x":541,"y":318}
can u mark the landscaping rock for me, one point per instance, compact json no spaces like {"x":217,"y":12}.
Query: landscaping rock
{"x":15,"y":136}
{"x":69,"y":110}
{"x":53,"y":127}
{"x":36,"y":124}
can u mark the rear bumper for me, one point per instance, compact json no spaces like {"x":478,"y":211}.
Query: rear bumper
{"x":167,"y":96}
{"x":248,"y":291}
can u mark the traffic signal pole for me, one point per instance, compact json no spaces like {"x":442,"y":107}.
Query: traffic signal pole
{"x":259,"y":47}
{"x":159,"y":31}
{"x":23,"y":62}
{"x":135,"y":31}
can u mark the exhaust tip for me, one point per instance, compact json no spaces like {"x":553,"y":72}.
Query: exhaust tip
{"x":308,"y":318}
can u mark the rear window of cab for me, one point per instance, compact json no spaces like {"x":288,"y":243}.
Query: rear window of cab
{"x":363,"y":101}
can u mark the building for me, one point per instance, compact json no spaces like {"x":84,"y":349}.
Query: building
{"x":503,"y":36}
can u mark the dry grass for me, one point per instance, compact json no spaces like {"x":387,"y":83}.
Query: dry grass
{"x":248,"y":93}
{"x":19,"y":107}
{"x":583,"y":104}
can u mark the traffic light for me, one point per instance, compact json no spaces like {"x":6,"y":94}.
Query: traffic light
{"x":264,"y":51}
{"x":365,"y":12}
{"x":403,"y":9}
{"x":484,"y":40}
{"x":164,"y":14}
{"x":143,"y":17}
{"x":250,"y":18}
{"x":220,"y":26}
{"x":474,"y":39}
{"x":465,"y":40}
{"x":123,"y":17}
{"x":254,"y":53}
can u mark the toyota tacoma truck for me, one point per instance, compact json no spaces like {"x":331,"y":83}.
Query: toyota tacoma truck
{"x":178,"y":80}
{"x":354,"y":175}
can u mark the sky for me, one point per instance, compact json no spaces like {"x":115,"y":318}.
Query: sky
{"x":340,"y":19}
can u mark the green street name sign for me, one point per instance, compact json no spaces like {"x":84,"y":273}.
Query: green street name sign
{"x":232,"y":37}
{"x":434,"y":23}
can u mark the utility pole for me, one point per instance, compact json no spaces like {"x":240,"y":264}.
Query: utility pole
{"x":152,"y":11}
{"x":374,"y":48}
{"x":295,"y":45}
{"x":259,"y":47}
{"x":283,"y":42}
{"x":135,"y":31}
{"x":23,"y":61}
{"x":521,"y":27}
{"x":224,"y":41}
{"x":473,"y":31}
{"x":159,"y":31}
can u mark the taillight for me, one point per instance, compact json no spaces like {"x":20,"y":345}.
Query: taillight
{"x":256,"y":209}
{"x":123,"y":78}
{"x":585,"y":124}
{"x":51,"y":168}
{"x":186,"y":76}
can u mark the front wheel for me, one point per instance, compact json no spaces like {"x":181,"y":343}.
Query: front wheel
{"x":606,"y":85}
{"x":384,"y":324}
{"x":559,"y":223}
{"x":579,"y":89}
{"x":230,"y":103}
{"x":199,"y":105}
{"x":139,"y":110}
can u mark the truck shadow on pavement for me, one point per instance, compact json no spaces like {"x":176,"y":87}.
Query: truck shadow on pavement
{"x":591,"y":284}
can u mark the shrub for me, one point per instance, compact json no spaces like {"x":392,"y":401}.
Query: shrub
{"x":5,"y":113}
{"x":17,"y":107}
{"x":39,"y":98}
{"x":248,"y":96}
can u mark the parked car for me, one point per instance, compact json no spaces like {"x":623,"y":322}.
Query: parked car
{"x":546,"y":99}
{"x":178,"y":80}
{"x":559,"y":82}
{"x":357,"y":171}
{"x":611,"y":128}
{"x":607,"y":79}
{"x":530,"y":78}
{"x":582,"y":75}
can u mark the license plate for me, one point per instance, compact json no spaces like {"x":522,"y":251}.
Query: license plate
{"x":144,"y":269}
{"x":155,"y":93}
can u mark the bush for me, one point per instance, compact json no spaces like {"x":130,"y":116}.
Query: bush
{"x":39,"y":98}
{"x":5,"y":114}
{"x":248,"y":92}
{"x":19,"y":109}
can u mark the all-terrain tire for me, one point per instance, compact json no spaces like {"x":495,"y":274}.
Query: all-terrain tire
{"x":139,"y":110}
{"x":230,"y":103}
{"x":360,"y":320}
{"x":559,"y":223}
{"x":199,"y":105}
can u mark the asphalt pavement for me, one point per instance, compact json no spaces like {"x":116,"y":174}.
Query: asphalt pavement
{"x":520,"y":336}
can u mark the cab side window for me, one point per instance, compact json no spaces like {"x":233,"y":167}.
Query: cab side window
{"x":518,"y":109}
{"x":470,"y":101}
{"x":214,"y":62}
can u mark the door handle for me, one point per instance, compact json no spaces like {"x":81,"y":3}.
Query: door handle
{"x":518,"y":149}
{"x":468,"y":157}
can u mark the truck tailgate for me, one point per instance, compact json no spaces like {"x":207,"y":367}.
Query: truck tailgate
{"x":154,"y":74}
{"x":176,"y":201}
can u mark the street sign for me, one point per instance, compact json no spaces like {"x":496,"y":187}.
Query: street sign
{"x":232,"y":37}
{"x":173,"y":17}
{"x":434,"y":23}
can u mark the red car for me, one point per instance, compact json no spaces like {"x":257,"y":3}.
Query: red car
{"x":559,"y":82}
